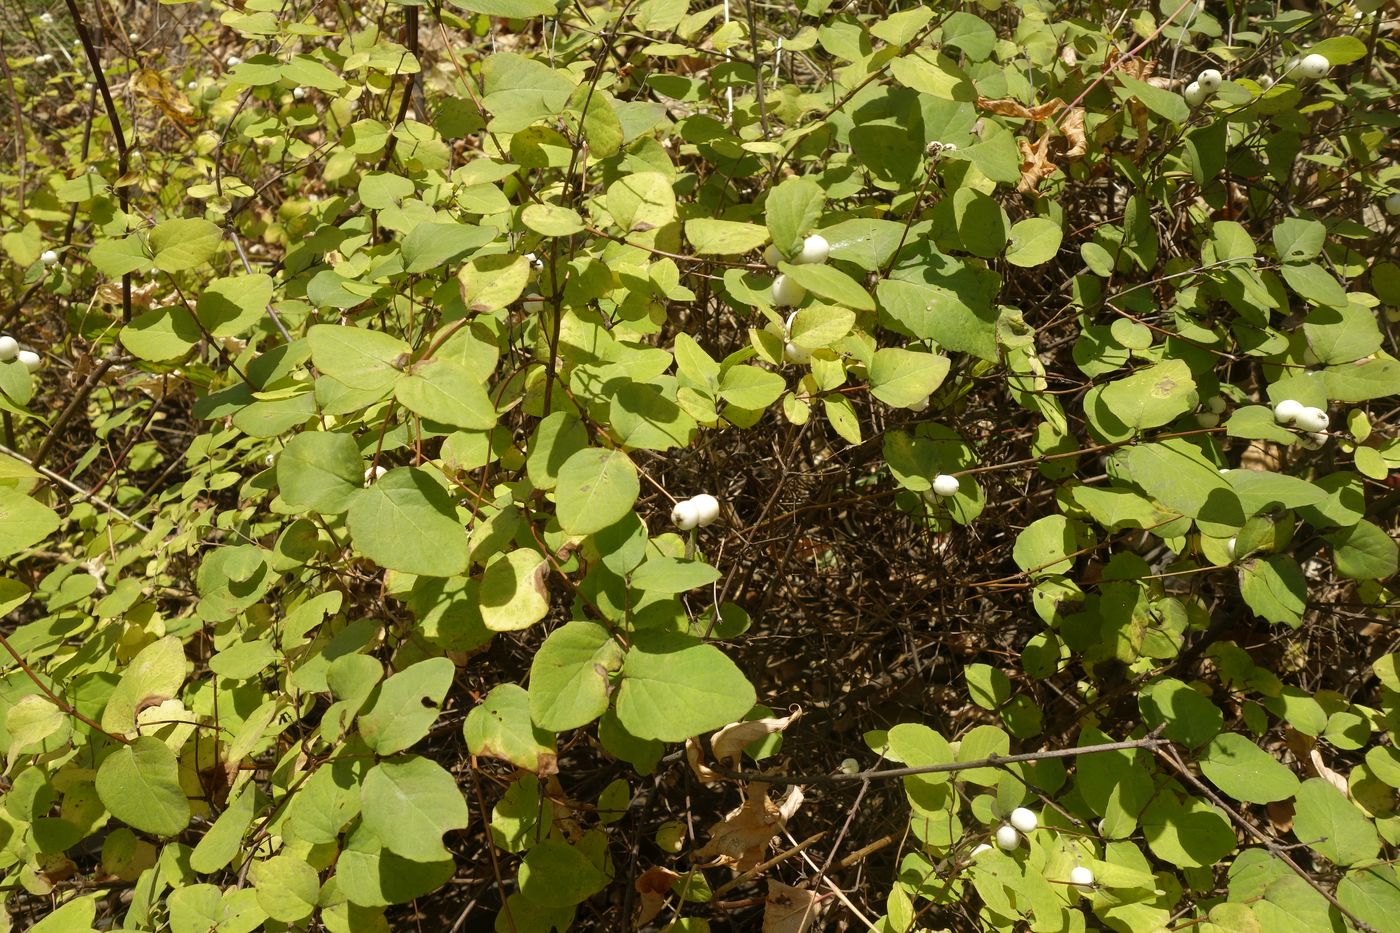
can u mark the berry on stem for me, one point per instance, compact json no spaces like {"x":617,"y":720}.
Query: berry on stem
{"x":1312,"y":419}
{"x":685,"y":515}
{"x":945,"y":485}
{"x":707,"y":508}
{"x":786,"y":292}
{"x":9,"y":348}
{"x":1287,"y":410}
{"x":1007,"y":837}
{"x":1024,"y":819}
{"x":1315,"y":66}
{"x":815,"y":250}
{"x":1209,"y":80}
{"x":1195,"y":95}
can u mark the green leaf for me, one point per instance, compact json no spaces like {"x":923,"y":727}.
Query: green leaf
{"x":751,"y":388}
{"x":1340,"y":50}
{"x":1314,"y":283}
{"x":115,"y":257}
{"x":500,"y":727}
{"x":1045,"y":546}
{"x":1153,"y":396}
{"x":513,"y":593}
{"x":1188,"y":834}
{"x":596,"y":488}
{"x":140,"y":784}
{"x":360,"y":358}
{"x":430,"y":245}
{"x":230,"y":306}
{"x":217,"y":847}
{"x":1163,"y":103}
{"x":673,"y":575}
{"x":409,"y":804}
{"x":569,"y":676}
{"x":442,"y":390}
{"x":162,"y":334}
{"x":408,"y":705}
{"x":1275,"y":589}
{"x":75,"y":916}
{"x":489,"y":283}
{"x":791,"y":211}
{"x":551,"y":220}
{"x":1246,"y":772}
{"x":723,"y":237}
{"x":320,"y":471}
{"x":1169,"y":473}
{"x":1189,"y":717}
{"x":406,"y":521}
{"x":1332,"y":825}
{"x":371,"y":875}
{"x":675,"y":687}
{"x":508,"y":9}
{"x":156,"y":673}
{"x":1364,"y":552}
{"x":557,"y":437}
{"x":184,"y":244}
{"x":901,"y":378}
{"x":982,"y":224}
{"x":830,"y":283}
{"x":641,"y":202}
{"x":287,"y":887}
{"x":1033,"y":241}
{"x":970,"y":33}
{"x":1342,"y":335}
{"x":556,"y":874}
{"x":23,"y":522}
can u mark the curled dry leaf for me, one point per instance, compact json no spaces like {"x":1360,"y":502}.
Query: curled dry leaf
{"x":1073,"y":128}
{"x":729,"y":742}
{"x":654,"y":885}
{"x":157,"y":89}
{"x":1035,"y":163}
{"x":1006,"y":107}
{"x":741,"y":838}
{"x":789,"y":909}
{"x":695,"y":755}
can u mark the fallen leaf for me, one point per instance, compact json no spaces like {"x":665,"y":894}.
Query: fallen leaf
{"x":695,"y":756}
{"x":1035,"y":163}
{"x":741,"y":838}
{"x":1073,"y":128}
{"x":654,"y":885}
{"x":789,"y":909}
{"x":1007,"y":107}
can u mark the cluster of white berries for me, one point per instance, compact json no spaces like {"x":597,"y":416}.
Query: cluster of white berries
{"x":48,"y":257}
{"x":936,"y":150}
{"x":815,"y":250}
{"x":697,"y":511}
{"x":1023,"y":820}
{"x":1311,"y":421}
{"x":1214,"y":408}
{"x":43,"y":59}
{"x":46,"y":19}
{"x":10,"y":350}
{"x":1206,"y":84}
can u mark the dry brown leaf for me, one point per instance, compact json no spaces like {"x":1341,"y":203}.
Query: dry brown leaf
{"x":654,"y":886}
{"x":1073,"y":128}
{"x":157,"y":89}
{"x":695,"y":755}
{"x":1035,"y":164}
{"x":789,"y":909}
{"x":1334,"y":778}
{"x":1138,"y":111}
{"x":729,"y":742}
{"x":741,"y":838}
{"x":1006,"y":107}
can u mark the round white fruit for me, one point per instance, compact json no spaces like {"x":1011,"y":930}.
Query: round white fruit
{"x":670,"y":837}
{"x":1216,"y":405}
{"x":270,"y":459}
{"x":815,"y":250}
{"x":1024,"y":819}
{"x":1313,"y":440}
{"x":299,"y":93}
{"x":48,"y":257}
{"x":707,"y":508}
{"x":1315,"y":66}
{"x":1007,"y":837}
{"x":1392,"y":203}
{"x":786,"y":292}
{"x":1287,"y":410}
{"x":1081,"y":876}
{"x":1312,"y":419}
{"x":9,"y":348}
{"x":1194,"y":94}
{"x":945,"y":485}
{"x":373,"y":473}
{"x":1209,"y":80}
{"x":686,"y":515}
{"x":31,"y":360}
{"x":233,"y":61}
{"x":772,"y":255}
{"x":795,"y":354}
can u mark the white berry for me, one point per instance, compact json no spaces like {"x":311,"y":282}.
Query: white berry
{"x":299,"y":93}
{"x":1024,"y":819}
{"x":1314,"y":66}
{"x":795,"y":354}
{"x":945,"y":485}
{"x":190,"y":86}
{"x":772,"y":255}
{"x":1194,"y":94}
{"x":1082,"y":877}
{"x":373,"y":473}
{"x":1287,"y":410}
{"x":1209,"y":80}
{"x":815,"y":250}
{"x":707,"y":508}
{"x":9,"y":348}
{"x":1216,"y":405}
{"x":233,"y":61}
{"x":1392,"y":203}
{"x":1313,"y":440}
{"x":1007,"y":837}
{"x":31,"y":360}
{"x":48,"y":257}
{"x":1312,"y":419}
{"x":686,"y":515}
{"x":786,"y":292}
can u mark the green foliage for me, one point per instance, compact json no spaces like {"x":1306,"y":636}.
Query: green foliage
{"x":379,"y":343}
